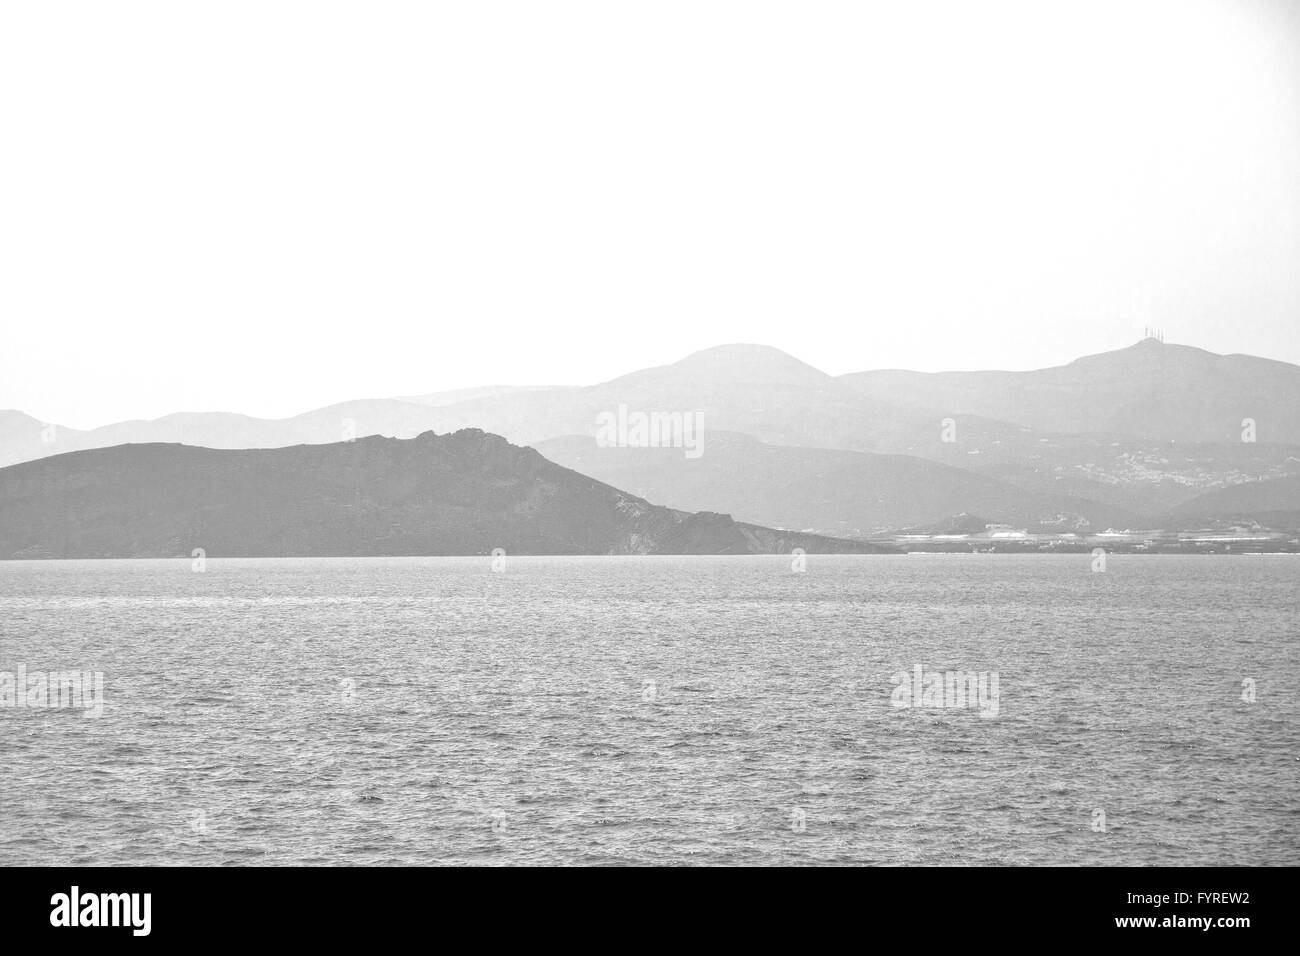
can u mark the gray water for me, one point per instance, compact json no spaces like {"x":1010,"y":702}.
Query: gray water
{"x":654,"y":711}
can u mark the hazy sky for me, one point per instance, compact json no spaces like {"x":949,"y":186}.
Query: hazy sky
{"x":266,"y":207}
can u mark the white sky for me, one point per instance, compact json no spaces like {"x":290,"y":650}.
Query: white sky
{"x":266,"y":207}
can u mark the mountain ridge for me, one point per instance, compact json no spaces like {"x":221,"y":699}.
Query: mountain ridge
{"x":822,"y":490}
{"x":469,"y":492}
{"x":1150,"y":390}
{"x":1074,"y":430}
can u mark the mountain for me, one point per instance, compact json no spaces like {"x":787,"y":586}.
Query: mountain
{"x":1026,"y":429}
{"x":829,"y":491}
{"x":779,"y":400}
{"x":752,"y":389}
{"x":21,"y":440}
{"x":1136,"y":474}
{"x":464,"y":493}
{"x":729,"y":367}
{"x":1273,"y":504}
{"x":1150,"y":390}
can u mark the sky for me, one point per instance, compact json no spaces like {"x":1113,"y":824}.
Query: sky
{"x":269,"y":207}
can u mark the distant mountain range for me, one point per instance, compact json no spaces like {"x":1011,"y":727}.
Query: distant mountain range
{"x":1105,"y":440}
{"x":835,"y":491}
{"x":465,"y":493}
{"x":1152,"y":390}
{"x":1274,"y":503}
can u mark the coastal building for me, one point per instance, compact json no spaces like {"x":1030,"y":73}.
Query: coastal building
{"x":1004,"y":532}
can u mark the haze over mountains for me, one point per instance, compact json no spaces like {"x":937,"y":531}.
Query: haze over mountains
{"x":1112,"y":439}
{"x":465,"y":493}
{"x":1274,"y":503}
{"x":1149,"y":390}
{"x":833,"y":490}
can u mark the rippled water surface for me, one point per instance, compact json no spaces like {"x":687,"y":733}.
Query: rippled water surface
{"x":654,"y":711}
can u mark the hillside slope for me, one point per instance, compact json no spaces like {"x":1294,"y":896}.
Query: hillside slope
{"x":824,"y":490}
{"x":466,"y":493}
{"x":1150,"y":390}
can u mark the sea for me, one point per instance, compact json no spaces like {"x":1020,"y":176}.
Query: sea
{"x":769,"y":710}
